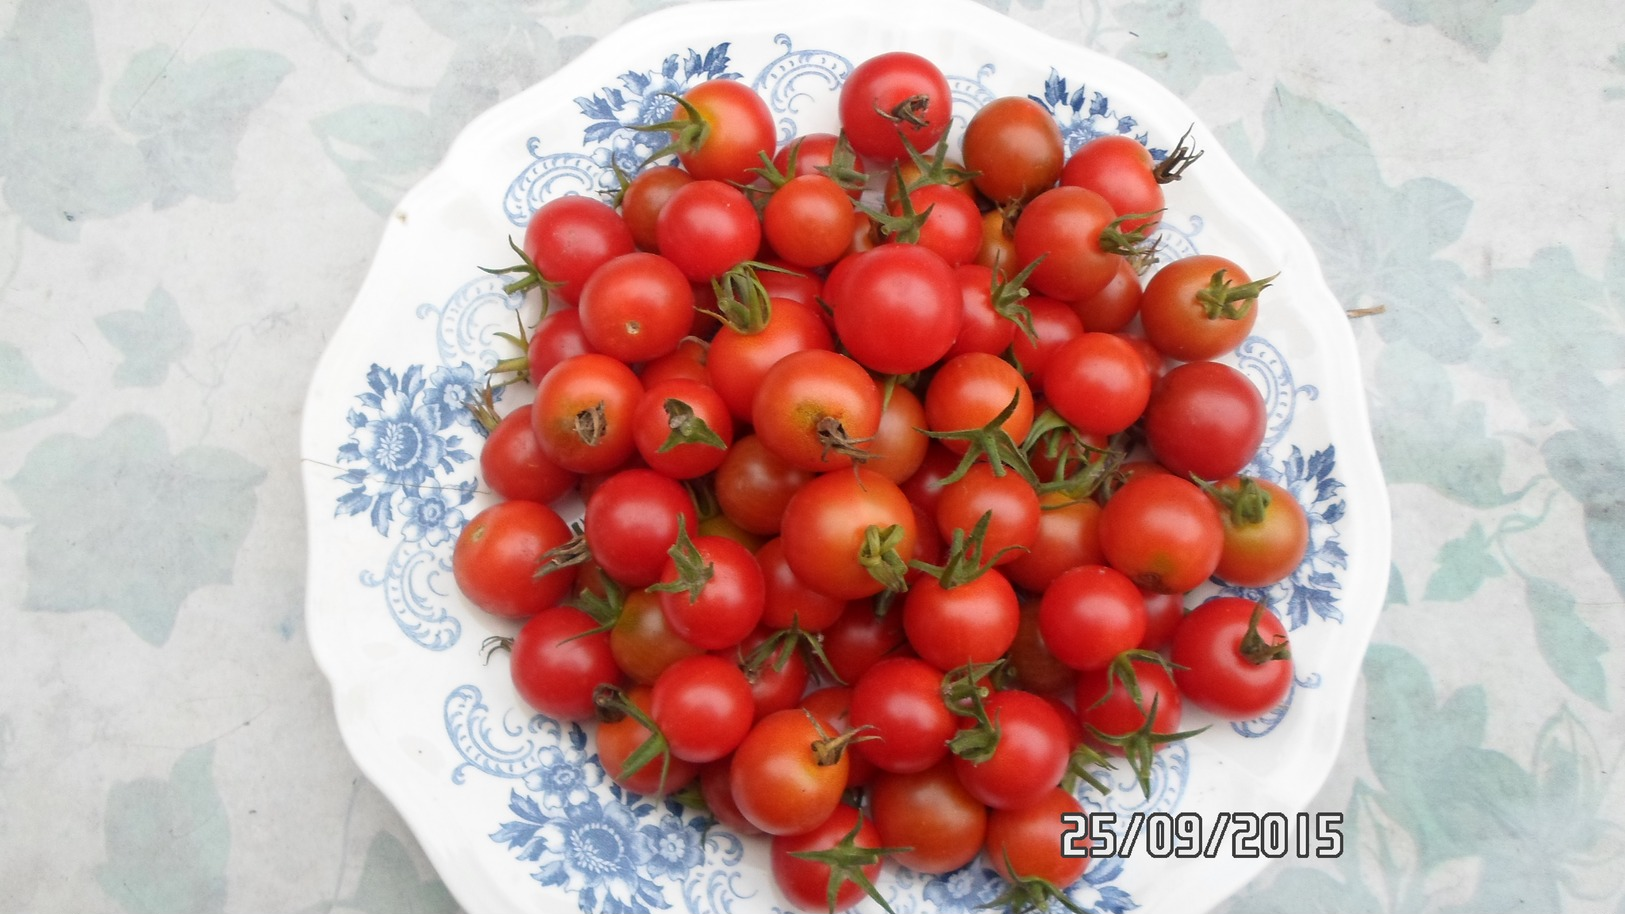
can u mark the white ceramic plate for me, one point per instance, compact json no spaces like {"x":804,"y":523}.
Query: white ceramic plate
{"x":512,"y":808}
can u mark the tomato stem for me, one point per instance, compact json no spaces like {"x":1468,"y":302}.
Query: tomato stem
{"x":530,"y":277}
{"x":1243,"y":505}
{"x":693,"y":571}
{"x":846,"y":861}
{"x":1183,"y":156}
{"x":1139,"y":746}
{"x":1030,"y":893}
{"x":843,"y":166}
{"x":1222,"y":299}
{"x":1254,"y":648}
{"x":614,"y":706}
{"x":991,"y":441}
{"x":687,"y":135}
{"x":878,"y":555}
{"x":687,"y":428}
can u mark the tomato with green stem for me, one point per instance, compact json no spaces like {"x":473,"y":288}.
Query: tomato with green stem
{"x":1232,"y":657}
{"x":790,"y":772}
{"x":1266,"y":531}
{"x":1200,"y":307}
{"x":850,"y":534}
{"x":682,"y":428}
{"x":711,"y":590}
{"x":719,"y":130}
{"x":832,"y":866}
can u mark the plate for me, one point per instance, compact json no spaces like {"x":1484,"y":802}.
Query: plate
{"x":510,"y":807}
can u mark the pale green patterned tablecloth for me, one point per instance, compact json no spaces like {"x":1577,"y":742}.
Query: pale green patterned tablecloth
{"x":190,"y":193}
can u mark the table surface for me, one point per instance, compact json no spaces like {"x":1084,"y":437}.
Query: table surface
{"x":191,"y":193}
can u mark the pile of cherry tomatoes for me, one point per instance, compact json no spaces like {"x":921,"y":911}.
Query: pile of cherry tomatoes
{"x":896,"y":475}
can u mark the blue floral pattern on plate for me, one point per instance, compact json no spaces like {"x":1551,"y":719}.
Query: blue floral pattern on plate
{"x":408,"y":466}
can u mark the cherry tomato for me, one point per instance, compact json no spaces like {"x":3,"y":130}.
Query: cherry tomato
{"x":557,"y":336}
{"x":1232,"y":658}
{"x":1014,"y":145}
{"x":1098,"y":383}
{"x":632,"y":520}
{"x":733,"y":129}
{"x":932,"y":814}
{"x":1107,"y":706}
{"x":753,"y":485}
{"x":804,"y":882}
{"x":682,"y":428}
{"x":1115,"y":305}
{"x":569,"y":237}
{"x":716,"y":789}
{"x":1033,"y":664}
{"x":645,"y":196}
{"x":848,"y":533}
{"x":707,"y":228}
{"x":1089,"y":615}
{"x":789,"y":773}
{"x":739,"y":359}
{"x":1205,"y":419}
{"x":1054,"y":325}
{"x":901,"y":699}
{"x":899,"y":446}
{"x":808,"y":221}
{"x":642,"y":642}
{"x":711,"y":591}
{"x":969,"y":391}
{"x":620,"y":735}
{"x":1065,"y":225}
{"x":1025,"y":843}
{"x":1198,"y":307}
{"x":1028,"y":757}
{"x":1163,"y":532}
{"x":558,"y":660}
{"x":892,"y":102}
{"x":513,"y":465}
{"x":1012,"y":503}
{"x":1068,"y":535}
{"x":971,"y":622}
{"x":583,"y":413}
{"x":788,"y":599}
{"x":816,"y":409}
{"x":1120,"y":169}
{"x":862,"y":637}
{"x":876,"y":293}
{"x":499,"y":560}
{"x":636,"y":307}
{"x":950,"y":223}
{"x":703,"y":707}
{"x":1266,"y":532}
